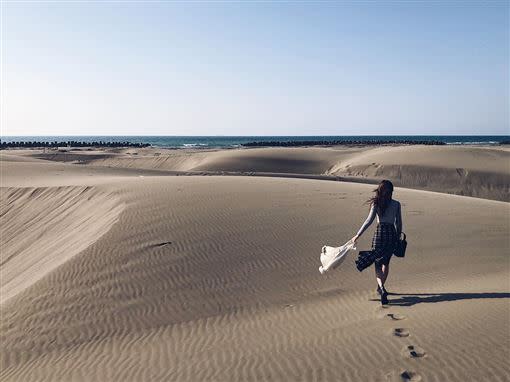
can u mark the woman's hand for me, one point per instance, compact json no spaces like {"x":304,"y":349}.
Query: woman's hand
{"x":354,"y":239}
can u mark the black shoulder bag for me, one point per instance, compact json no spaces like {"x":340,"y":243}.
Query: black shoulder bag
{"x":400,"y":249}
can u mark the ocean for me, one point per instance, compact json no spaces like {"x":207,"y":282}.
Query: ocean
{"x":236,"y":141}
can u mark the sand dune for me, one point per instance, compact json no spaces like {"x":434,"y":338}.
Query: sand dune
{"x":216,"y":278}
{"x":482,"y":172}
{"x":283,"y":160}
{"x":43,"y":227}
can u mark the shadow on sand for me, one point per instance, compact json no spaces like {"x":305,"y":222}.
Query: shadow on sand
{"x":409,"y":299}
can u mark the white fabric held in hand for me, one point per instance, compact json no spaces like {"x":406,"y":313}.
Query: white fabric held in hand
{"x":332,"y":257}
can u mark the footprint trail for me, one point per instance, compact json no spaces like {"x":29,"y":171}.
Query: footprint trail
{"x":416,"y":351}
{"x":401,"y":332}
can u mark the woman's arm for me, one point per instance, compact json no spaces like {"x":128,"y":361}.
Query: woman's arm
{"x":366,"y":224}
{"x":398,"y":221}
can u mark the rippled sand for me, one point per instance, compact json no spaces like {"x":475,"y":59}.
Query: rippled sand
{"x":128,"y":274}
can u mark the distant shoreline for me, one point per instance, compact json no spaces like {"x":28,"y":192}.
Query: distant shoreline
{"x":70,"y":144}
{"x":232,"y":142}
{"x":340,"y":142}
{"x":284,"y":143}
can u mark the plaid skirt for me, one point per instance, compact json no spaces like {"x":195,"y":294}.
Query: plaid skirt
{"x":383,"y":246}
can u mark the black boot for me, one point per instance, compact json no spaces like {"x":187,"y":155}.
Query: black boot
{"x":384,"y":296}
{"x":378,"y":290}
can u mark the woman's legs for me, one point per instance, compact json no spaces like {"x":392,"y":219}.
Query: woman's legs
{"x":379,"y":275}
{"x":385,"y":272}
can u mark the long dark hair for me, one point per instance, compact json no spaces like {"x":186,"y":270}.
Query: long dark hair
{"x":382,"y":197}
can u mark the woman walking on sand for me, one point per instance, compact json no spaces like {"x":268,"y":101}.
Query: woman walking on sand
{"x":389,"y":227}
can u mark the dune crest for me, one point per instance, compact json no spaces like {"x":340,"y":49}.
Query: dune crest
{"x":40,"y":226}
{"x":478,"y":171}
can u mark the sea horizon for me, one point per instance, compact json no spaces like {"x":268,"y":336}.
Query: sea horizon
{"x":232,"y":141}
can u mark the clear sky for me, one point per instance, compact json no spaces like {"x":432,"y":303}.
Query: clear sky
{"x":238,"y":68}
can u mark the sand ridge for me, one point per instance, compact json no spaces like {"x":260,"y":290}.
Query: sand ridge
{"x":479,"y":171}
{"x":42,"y":228}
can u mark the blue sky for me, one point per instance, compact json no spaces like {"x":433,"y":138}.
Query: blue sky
{"x":239,"y":68}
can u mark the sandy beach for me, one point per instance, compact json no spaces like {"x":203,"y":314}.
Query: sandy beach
{"x":132,"y":265}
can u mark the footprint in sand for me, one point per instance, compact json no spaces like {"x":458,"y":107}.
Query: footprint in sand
{"x":416,"y":351}
{"x":396,"y":316}
{"x":411,"y":376}
{"x":401,"y":332}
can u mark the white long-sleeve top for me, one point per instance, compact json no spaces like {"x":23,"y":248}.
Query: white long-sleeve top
{"x":392,"y":215}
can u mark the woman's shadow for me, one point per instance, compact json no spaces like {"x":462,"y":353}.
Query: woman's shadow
{"x":409,"y":299}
